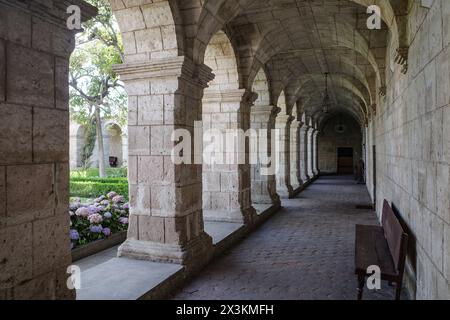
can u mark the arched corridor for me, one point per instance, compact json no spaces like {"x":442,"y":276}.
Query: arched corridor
{"x":304,"y":252}
{"x":326,"y":87}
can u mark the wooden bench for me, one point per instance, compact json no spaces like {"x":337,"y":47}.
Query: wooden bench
{"x":385,"y":247}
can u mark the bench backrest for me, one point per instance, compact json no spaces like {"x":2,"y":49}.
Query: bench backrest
{"x":396,"y":238}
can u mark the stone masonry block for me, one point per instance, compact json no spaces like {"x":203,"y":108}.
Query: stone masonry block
{"x":15,"y":25}
{"x":139,"y":140}
{"x":140,"y":199}
{"x":151,"y":229}
{"x":149,"y":40}
{"x":39,"y":288}
{"x":15,"y":134}
{"x":51,"y":244}
{"x":50,"y":39}
{"x":150,"y":170}
{"x":2,"y":70}
{"x":2,"y":196}
{"x":61,"y":83}
{"x":15,"y":255}
{"x":50,"y":135}
{"x":175,"y":230}
{"x":29,"y":191}
{"x":130,"y":19}
{"x":157,"y":14}
{"x":37,"y":88}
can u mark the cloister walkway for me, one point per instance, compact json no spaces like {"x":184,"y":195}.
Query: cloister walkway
{"x":305,"y":251}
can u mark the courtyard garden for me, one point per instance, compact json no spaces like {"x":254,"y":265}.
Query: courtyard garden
{"x":98,"y":206}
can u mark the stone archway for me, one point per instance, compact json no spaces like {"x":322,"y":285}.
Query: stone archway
{"x":226,"y":181}
{"x":114,"y":145}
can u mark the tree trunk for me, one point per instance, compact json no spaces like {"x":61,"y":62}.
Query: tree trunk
{"x":101,"y":147}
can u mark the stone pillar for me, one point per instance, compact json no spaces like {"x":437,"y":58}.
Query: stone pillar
{"x":315,"y":152}
{"x":227,"y":186}
{"x":283,"y":125}
{"x":304,"y":154}
{"x":166,"y":220}
{"x":296,"y":181}
{"x":35,"y":47}
{"x":310,"y":152}
{"x":264,"y":189}
{"x":124,"y":138}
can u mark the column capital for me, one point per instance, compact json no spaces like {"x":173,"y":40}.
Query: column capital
{"x":180,"y":67}
{"x":269,"y":109}
{"x":296,"y":124}
{"x":231,"y":95}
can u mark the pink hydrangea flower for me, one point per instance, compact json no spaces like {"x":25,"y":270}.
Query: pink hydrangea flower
{"x":95,"y":218}
{"x":82,"y":212}
{"x":112,"y":194}
{"x":118,"y":199}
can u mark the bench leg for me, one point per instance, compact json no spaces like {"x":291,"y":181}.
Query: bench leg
{"x":361,"y":282}
{"x":398,"y":291}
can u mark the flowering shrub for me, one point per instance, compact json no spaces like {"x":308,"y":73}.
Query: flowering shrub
{"x":99,"y":219}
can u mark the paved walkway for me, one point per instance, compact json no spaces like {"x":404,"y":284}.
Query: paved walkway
{"x":305,"y":251}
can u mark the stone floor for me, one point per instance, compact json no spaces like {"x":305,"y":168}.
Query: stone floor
{"x":305,"y":251}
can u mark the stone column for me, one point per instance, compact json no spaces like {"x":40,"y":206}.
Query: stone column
{"x":35,"y":47}
{"x":166,"y":220}
{"x":310,"y":152}
{"x":315,"y":152}
{"x":264,"y":189}
{"x":304,"y":154}
{"x":296,"y":181}
{"x":227,"y":186}
{"x":283,"y":125}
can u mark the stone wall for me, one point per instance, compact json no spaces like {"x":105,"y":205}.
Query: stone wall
{"x":331,"y":138}
{"x":413,"y":148}
{"x":35,"y":45}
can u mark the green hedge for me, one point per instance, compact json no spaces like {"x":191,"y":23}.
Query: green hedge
{"x":94,"y":189}
{"x":93,"y":173}
{"x":100,"y":180}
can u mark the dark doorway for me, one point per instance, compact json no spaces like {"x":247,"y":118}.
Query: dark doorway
{"x":345,"y":161}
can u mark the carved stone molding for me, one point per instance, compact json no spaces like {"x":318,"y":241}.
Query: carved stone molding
{"x":166,"y":68}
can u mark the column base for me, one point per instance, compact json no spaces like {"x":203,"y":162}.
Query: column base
{"x":262,"y":199}
{"x":285,"y":193}
{"x":246,"y":216}
{"x":193,"y":255}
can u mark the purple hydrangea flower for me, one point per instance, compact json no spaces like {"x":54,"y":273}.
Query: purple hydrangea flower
{"x":123,"y":220}
{"x":126,"y":206}
{"x":74,"y":235}
{"x":105,"y":202}
{"x":96,"y":229}
{"x":95,"y":218}
{"x":94,"y":209}
{"x":106,"y":232}
{"x":107,"y":215}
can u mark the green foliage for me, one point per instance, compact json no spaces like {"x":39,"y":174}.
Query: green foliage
{"x":93,"y":82}
{"x":100,"y":180}
{"x":93,"y":189}
{"x":94,"y":173}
